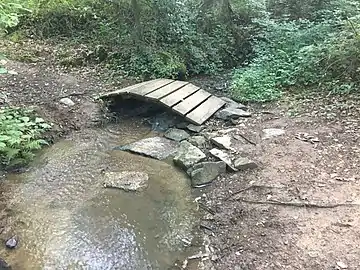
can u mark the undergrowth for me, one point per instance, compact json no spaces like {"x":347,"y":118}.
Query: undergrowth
{"x":322,"y":53}
{"x":20,"y":136}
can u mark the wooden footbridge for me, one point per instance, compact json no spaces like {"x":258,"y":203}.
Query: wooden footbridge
{"x":184,"y":98}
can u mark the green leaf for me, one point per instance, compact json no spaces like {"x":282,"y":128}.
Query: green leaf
{"x":39,"y":120}
{"x":3,"y":70}
{"x":25,"y":119}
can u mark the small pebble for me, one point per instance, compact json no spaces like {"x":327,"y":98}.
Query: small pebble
{"x":11,"y":242}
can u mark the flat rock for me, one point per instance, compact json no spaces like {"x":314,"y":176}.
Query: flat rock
{"x":205,"y":172}
{"x":176,"y":134}
{"x":182,"y":125}
{"x":195,"y":128}
{"x":126,"y":180}
{"x":11,"y":242}
{"x":188,"y":155}
{"x":223,"y":157}
{"x":155,"y":147}
{"x":198,"y":141}
{"x":272,"y":132}
{"x":231,"y":113}
{"x":233,"y":104}
{"x":243,"y":163}
{"x":67,"y":101}
{"x":223,"y":142}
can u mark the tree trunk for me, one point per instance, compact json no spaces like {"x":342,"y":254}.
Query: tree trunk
{"x":137,"y":26}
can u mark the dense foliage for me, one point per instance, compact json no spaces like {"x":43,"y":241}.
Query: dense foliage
{"x":20,"y":136}
{"x":274,"y":45}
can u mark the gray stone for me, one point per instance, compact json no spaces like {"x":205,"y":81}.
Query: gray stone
{"x":243,"y":163}
{"x":176,"y":134}
{"x":231,"y":113}
{"x":156,"y":147}
{"x":205,"y":172}
{"x":223,"y":142}
{"x":272,"y":132}
{"x":233,"y":104}
{"x":182,"y":125}
{"x":223,"y":157}
{"x":126,"y":180}
{"x":198,"y":141}
{"x":67,"y":101}
{"x":188,"y":155}
{"x":195,"y":128}
{"x":4,"y":265}
{"x":11,"y":242}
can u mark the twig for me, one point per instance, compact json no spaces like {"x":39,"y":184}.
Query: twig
{"x":203,"y":226}
{"x":248,"y":188}
{"x":299,"y":204}
{"x":246,"y":139}
{"x":207,"y":209}
{"x":74,"y":95}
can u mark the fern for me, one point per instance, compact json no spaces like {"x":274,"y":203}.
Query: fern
{"x":20,"y":135}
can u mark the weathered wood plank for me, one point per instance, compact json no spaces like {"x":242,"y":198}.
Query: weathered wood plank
{"x":179,"y":95}
{"x":205,"y":110}
{"x":191,"y":102}
{"x":166,"y":90}
{"x":127,"y":89}
{"x":142,"y":90}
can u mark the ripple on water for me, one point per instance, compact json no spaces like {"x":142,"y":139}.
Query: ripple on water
{"x":70,"y":222}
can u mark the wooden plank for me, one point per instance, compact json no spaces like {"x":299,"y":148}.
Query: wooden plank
{"x":126,"y":89}
{"x":179,"y":95}
{"x":166,"y":90}
{"x":142,"y":90}
{"x":191,"y":102}
{"x":205,"y":110}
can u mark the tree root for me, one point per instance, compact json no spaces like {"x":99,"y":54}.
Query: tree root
{"x":248,"y":188}
{"x":299,"y":204}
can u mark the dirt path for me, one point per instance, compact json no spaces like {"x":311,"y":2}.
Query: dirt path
{"x":252,"y":232}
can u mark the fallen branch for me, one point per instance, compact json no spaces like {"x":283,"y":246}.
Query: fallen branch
{"x":248,"y":188}
{"x":299,"y":204}
{"x":246,"y":139}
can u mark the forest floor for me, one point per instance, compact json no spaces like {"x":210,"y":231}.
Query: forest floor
{"x":300,"y":209}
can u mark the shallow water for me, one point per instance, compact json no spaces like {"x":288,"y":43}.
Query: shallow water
{"x":65,"y":219}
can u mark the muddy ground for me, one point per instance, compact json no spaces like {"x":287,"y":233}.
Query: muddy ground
{"x":299,"y":210}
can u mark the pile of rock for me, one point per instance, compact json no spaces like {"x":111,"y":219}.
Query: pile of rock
{"x":203,"y":155}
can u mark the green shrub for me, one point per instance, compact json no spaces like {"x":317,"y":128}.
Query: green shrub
{"x":324,"y":54}
{"x":20,"y":136}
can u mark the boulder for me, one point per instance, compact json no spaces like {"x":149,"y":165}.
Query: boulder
{"x":67,"y":101}
{"x":195,"y":128}
{"x":188,"y":155}
{"x":243,"y":163}
{"x":177,"y":135}
{"x":223,"y":142}
{"x":126,"y":180}
{"x":272,"y":132}
{"x":198,"y":141}
{"x":205,"y":172}
{"x":155,"y":147}
{"x":223,"y":157}
{"x":231,"y":113}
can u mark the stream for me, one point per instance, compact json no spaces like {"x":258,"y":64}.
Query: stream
{"x":66,"y":219}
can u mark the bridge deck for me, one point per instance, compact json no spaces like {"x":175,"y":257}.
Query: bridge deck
{"x":184,"y":98}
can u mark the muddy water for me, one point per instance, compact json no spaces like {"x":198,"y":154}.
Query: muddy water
{"x":65,"y":219}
